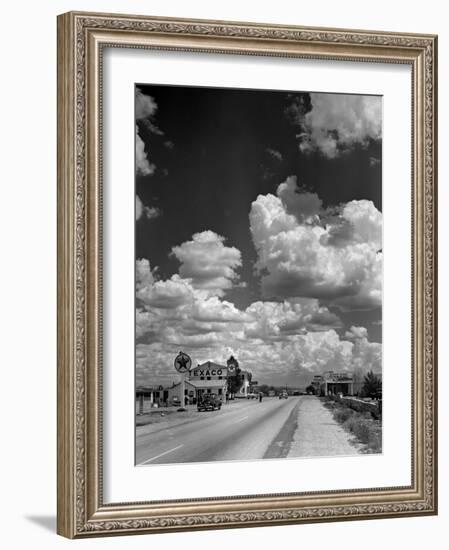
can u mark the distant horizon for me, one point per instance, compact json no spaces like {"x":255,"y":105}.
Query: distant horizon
{"x":176,"y":377}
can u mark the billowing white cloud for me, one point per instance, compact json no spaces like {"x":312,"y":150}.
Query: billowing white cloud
{"x":169,"y":294}
{"x":355,"y":333}
{"x":143,"y":165}
{"x":274,"y":340}
{"x":295,"y":359}
{"x":301,"y":204}
{"x":146,"y":324}
{"x":145,"y":109}
{"x":271,"y":339}
{"x":280,"y":320}
{"x":366,"y":355}
{"x":337,"y":122}
{"x":304,"y":252}
{"x":145,"y":105}
{"x":144,"y":274}
{"x":208,"y":263}
{"x":190,"y":310}
{"x":149,"y":212}
{"x":289,"y":340}
{"x":366,"y":221}
{"x":301,"y":356}
{"x":214,"y":309}
{"x":139,"y":208}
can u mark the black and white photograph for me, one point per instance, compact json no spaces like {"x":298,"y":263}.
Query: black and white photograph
{"x":258,"y":249}
{"x":221,"y":313}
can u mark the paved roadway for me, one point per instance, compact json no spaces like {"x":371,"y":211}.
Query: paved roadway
{"x":243,"y":430}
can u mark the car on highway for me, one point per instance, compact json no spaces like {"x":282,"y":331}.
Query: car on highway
{"x":209,"y":402}
{"x":283,"y":395}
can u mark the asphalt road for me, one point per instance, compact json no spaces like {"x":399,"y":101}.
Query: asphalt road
{"x":244,"y":430}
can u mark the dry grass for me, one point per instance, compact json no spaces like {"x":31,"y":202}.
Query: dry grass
{"x":366,"y":429}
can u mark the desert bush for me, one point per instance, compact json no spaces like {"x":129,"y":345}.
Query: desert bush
{"x":359,"y":427}
{"x":375,"y":441}
{"x":342,"y":414}
{"x":361,"y":424}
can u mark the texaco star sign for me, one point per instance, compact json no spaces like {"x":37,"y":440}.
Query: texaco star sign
{"x":232,"y":364}
{"x":182,"y":362}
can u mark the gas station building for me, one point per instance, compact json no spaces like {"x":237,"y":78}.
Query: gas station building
{"x":208,"y":377}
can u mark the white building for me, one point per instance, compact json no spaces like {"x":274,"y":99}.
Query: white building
{"x":209,"y":377}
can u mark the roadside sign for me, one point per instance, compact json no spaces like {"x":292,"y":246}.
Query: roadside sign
{"x":182,"y":362}
{"x":231,"y":364}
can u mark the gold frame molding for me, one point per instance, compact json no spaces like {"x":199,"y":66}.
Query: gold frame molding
{"x":81,"y":38}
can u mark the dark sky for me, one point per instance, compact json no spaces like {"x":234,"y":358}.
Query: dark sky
{"x":214,"y":151}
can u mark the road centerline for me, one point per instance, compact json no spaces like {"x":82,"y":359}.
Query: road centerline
{"x":161,"y":454}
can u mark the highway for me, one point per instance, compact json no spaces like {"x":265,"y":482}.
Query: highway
{"x":243,"y":430}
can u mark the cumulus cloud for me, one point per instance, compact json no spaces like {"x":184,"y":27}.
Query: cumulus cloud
{"x":208,"y":263}
{"x":144,"y":274}
{"x":304,"y":252}
{"x":296,"y":359}
{"x":145,"y":105}
{"x":300,"y":203}
{"x":178,"y":308}
{"x":366,"y":355}
{"x":366,"y":221}
{"x":216,"y":310}
{"x":169,"y":294}
{"x":281,"y":320}
{"x":288,"y":339}
{"x":355,"y":333}
{"x":305,"y":355}
{"x":272,"y":339}
{"x":337,"y":122}
{"x":149,"y":212}
{"x":173,"y":315}
{"x":272,"y":153}
{"x":143,"y":165}
{"x":146,"y":324}
{"x":145,"y":109}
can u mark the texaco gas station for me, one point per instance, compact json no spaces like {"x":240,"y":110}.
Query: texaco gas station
{"x":208,"y":377}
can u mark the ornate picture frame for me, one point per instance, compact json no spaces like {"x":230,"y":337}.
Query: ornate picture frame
{"x":82,"y":39}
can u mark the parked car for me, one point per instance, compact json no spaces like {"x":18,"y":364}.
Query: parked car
{"x":283,"y":395}
{"x":176,"y":402}
{"x":209,"y":402}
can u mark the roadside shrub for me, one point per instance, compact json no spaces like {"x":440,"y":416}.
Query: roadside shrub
{"x":359,"y":427}
{"x":375,"y":441}
{"x":342,"y":414}
{"x":363,"y":425}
